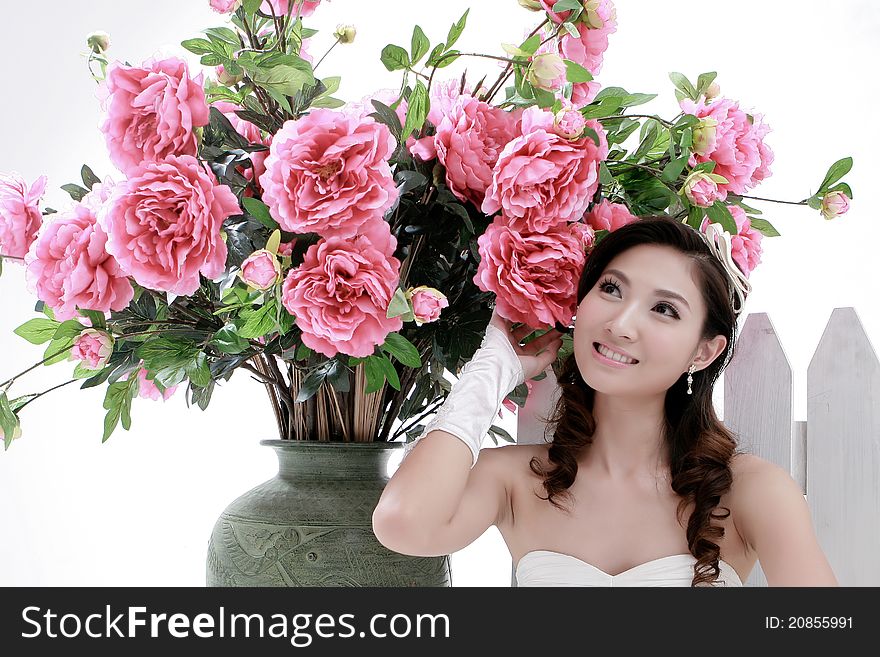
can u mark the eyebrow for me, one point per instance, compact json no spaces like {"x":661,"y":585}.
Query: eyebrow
{"x":669,"y":294}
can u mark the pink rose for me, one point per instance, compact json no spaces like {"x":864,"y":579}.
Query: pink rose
{"x":260,"y":270}
{"x":737,"y":146}
{"x":609,"y":216}
{"x":469,"y":138}
{"x":164,"y":224}
{"x":702,"y":189}
{"x":153,"y":110}
{"x":427,"y":302}
{"x":93,"y":348}
{"x":594,"y":27}
{"x":328,"y":173}
{"x":834,"y":204}
{"x":280,"y":7}
{"x":534,"y":275}
{"x":147,"y":388}
{"x":68,"y":266}
{"x":341,"y":292}
{"x":20,"y":217}
{"x":746,"y":246}
{"x":254,"y":136}
{"x":542,"y":179}
{"x":225,"y":6}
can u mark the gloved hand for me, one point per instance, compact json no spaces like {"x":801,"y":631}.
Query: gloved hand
{"x":496,"y":368}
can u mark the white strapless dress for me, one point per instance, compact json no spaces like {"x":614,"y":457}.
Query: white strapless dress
{"x":547,"y":568}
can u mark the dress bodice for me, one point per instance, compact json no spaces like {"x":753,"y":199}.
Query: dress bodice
{"x":548,"y":568}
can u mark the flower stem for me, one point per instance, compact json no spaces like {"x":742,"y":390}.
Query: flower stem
{"x":315,"y":67}
{"x":40,"y":394}
{"x":8,"y":383}
{"x":773,"y":200}
{"x":9,"y":257}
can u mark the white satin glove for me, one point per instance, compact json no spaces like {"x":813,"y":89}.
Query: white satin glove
{"x":472,"y":405}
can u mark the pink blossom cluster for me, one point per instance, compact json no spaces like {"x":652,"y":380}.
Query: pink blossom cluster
{"x":20,"y":217}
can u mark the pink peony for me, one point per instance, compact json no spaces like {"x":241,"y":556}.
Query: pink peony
{"x":569,"y":122}
{"x":68,"y":266}
{"x":468,"y":141}
{"x":737,"y":146}
{"x":153,"y":110}
{"x":250,"y":132}
{"x":260,"y":270}
{"x":542,"y":179}
{"x":746,"y":244}
{"x":147,"y":389}
{"x":584,"y":93}
{"x":834,"y":204}
{"x":280,"y":7}
{"x":341,"y":292}
{"x":328,"y":173}
{"x":164,"y":224}
{"x":93,"y":348}
{"x":364,"y":107}
{"x":20,"y":217}
{"x":594,"y":27}
{"x":225,"y":6}
{"x":609,"y":216}
{"x":427,"y":302}
{"x":534,"y":275}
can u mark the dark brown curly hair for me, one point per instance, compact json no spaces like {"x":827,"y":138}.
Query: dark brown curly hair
{"x":700,"y":446}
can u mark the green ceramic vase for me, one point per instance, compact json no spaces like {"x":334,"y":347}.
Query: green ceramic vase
{"x":311,"y":524}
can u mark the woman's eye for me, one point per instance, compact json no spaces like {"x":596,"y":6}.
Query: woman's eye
{"x":672,"y":311}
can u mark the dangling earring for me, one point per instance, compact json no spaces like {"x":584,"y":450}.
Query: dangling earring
{"x":691,"y":371}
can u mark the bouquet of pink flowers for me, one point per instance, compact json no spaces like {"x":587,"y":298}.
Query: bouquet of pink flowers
{"x":347,"y":254}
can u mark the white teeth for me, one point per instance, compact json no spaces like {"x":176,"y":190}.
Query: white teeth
{"x":614,"y":355}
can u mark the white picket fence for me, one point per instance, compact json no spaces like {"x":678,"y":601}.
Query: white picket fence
{"x":834,"y":455}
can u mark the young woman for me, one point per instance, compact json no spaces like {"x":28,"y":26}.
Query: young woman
{"x":641,"y":485}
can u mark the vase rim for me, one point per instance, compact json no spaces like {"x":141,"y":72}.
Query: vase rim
{"x":316,"y":444}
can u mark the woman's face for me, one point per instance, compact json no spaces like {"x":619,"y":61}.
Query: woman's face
{"x":646,"y":305}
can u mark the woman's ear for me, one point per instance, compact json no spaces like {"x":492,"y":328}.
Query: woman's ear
{"x":709,"y":350}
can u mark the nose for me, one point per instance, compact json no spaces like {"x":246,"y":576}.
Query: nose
{"x":622,"y":324}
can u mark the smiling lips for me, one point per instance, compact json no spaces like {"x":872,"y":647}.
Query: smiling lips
{"x":613,"y":355}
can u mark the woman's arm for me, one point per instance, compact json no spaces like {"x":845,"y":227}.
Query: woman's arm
{"x":774,"y":519}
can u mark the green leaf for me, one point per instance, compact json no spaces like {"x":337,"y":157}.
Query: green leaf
{"x":435,"y":54}
{"x":38,"y":330}
{"x":259,"y":322}
{"x":841,"y":187}
{"x":456,"y":29}
{"x":96,"y":318}
{"x":402,"y":349}
{"x":198,"y":46}
{"x":673,"y":169}
{"x":8,"y":420}
{"x":374,"y":374}
{"x":388,"y":371}
{"x":719,"y":213}
{"x":764,"y":227}
{"x":388,"y":116}
{"x":251,"y":6}
{"x":449,"y":57}
{"x":165,"y":352}
{"x":417,"y":111}
{"x":704,"y":80}
{"x":68,"y":329}
{"x":76,"y":192}
{"x":695,"y":217}
{"x":567,"y":5}
{"x":419,"y":45}
{"x":531,"y":44}
{"x":198,"y":371}
{"x":312,"y":382}
{"x":224,"y":34}
{"x":835,"y":172}
{"x":398,"y":306}
{"x":684,"y":85}
{"x":117,"y":401}
{"x":575,"y":73}
{"x":395,"y":58}
{"x":88,"y":177}
{"x":284,"y":79}
{"x":259,"y":211}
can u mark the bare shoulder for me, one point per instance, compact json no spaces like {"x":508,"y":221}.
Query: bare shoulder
{"x":773,"y":519}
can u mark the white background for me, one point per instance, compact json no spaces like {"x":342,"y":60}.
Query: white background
{"x":139,"y":509}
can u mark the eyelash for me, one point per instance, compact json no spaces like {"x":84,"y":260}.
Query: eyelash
{"x":611,"y":282}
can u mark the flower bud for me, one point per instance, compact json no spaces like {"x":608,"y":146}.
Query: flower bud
{"x":569,"y":122}
{"x":590,"y":16}
{"x":547,"y":72}
{"x":98,"y":42}
{"x":345,"y":33}
{"x":261,"y":270}
{"x":701,"y":189}
{"x":531,"y":5}
{"x":93,"y":348}
{"x":704,"y":136}
{"x":834,"y":204}
{"x":712,"y":91}
{"x":426,"y":302}
{"x":225,"y":78}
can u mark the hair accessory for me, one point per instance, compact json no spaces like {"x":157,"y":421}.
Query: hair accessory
{"x":719,"y":242}
{"x":691,"y":371}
